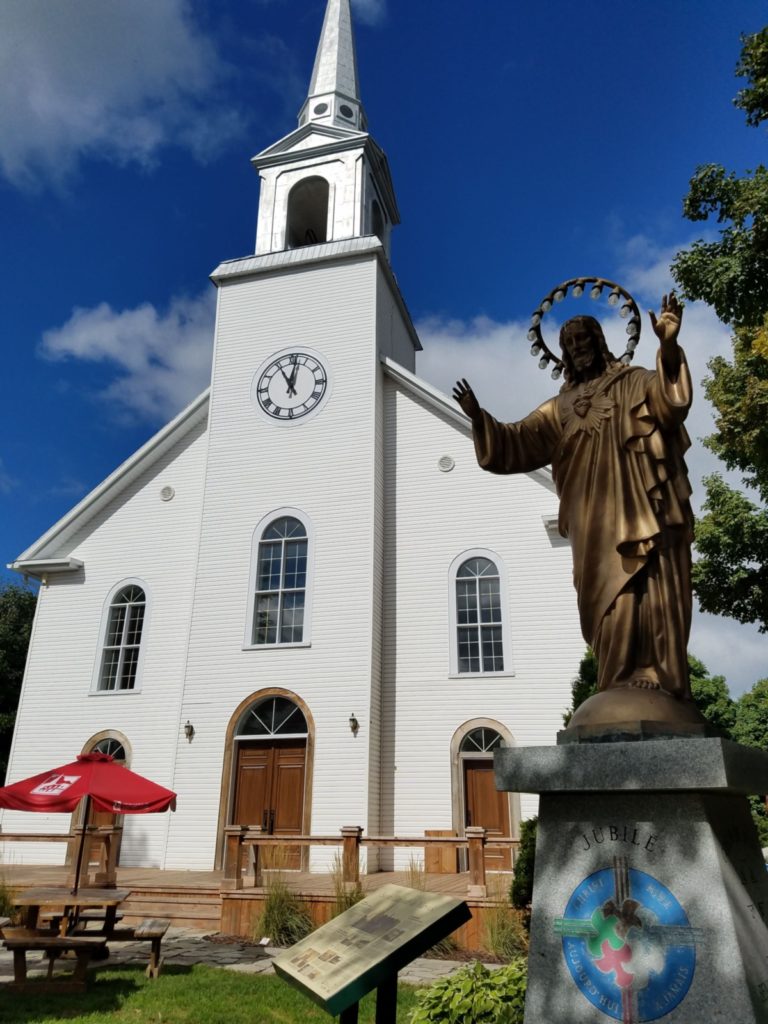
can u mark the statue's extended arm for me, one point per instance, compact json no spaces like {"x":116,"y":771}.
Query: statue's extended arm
{"x":510,"y":447}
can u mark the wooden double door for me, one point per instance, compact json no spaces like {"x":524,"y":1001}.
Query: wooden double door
{"x":484,"y":805}
{"x":269,"y":791}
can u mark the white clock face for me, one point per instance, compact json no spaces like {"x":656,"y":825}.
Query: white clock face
{"x":292,"y":385}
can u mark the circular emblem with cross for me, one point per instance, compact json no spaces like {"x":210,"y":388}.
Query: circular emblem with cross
{"x":628,"y":944}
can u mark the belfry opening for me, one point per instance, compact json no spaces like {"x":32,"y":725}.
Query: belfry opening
{"x":307,"y":213}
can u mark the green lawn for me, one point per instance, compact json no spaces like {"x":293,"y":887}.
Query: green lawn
{"x":181,"y":995}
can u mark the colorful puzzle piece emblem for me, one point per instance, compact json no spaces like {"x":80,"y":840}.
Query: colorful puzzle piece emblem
{"x":614,"y":960}
{"x":605,"y":927}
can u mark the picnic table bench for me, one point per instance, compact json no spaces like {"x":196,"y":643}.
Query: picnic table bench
{"x":152,"y":930}
{"x":22,"y":940}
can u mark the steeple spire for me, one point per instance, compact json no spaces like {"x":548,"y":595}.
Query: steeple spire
{"x":334,"y":92}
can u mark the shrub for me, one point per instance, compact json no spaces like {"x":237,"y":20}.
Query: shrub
{"x":475,"y":995}
{"x":521,"y":892}
{"x":283,"y":920}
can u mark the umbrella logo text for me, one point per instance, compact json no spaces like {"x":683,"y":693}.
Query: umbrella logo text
{"x":54,"y":785}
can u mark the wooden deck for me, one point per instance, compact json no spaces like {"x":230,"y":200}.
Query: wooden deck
{"x":194,"y":899}
{"x":302,"y":882}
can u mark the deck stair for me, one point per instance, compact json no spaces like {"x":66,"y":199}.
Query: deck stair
{"x":185,"y":907}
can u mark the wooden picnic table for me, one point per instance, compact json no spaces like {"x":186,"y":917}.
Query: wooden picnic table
{"x":73,"y":933}
{"x":34,"y":900}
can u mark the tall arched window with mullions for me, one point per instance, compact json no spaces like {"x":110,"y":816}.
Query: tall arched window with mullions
{"x":121,"y":652}
{"x":280,"y":582}
{"x":479,"y":628}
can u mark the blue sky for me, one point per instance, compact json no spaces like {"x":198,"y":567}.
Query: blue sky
{"x":528,"y":143}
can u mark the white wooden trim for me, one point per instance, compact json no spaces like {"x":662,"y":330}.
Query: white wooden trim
{"x":305,"y":520}
{"x":96,"y":691}
{"x":506,"y":638}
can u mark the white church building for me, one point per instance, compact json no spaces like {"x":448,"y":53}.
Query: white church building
{"x":301,"y":604}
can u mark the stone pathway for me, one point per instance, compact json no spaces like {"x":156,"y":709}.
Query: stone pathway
{"x":185,"y":946}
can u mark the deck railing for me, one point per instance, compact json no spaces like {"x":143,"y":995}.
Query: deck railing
{"x":241,"y":838}
{"x":99,"y":865}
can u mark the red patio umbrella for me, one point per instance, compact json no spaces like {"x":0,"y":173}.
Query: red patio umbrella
{"x":104,"y":782}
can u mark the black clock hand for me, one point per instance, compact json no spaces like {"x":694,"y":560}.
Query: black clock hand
{"x":289,"y":381}
{"x":293,"y":376}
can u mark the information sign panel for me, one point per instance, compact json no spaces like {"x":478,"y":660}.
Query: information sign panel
{"x":368,"y":944}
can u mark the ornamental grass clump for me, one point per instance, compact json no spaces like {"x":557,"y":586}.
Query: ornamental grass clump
{"x":283,"y":921}
{"x":505,"y":933}
{"x":7,"y":900}
{"x":346,"y":895}
{"x":475,"y":995}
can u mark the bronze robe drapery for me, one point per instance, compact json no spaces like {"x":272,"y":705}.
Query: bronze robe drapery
{"x":616,"y":448}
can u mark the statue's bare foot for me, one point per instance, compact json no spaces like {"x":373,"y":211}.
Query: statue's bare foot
{"x":645,"y":683}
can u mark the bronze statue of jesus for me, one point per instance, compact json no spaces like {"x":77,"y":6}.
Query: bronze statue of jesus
{"x":615,"y":439}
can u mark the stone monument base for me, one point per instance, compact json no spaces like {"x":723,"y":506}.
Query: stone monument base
{"x":650,"y":894}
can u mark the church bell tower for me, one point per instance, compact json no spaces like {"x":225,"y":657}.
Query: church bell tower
{"x":328,"y":180}
{"x":296,"y":435}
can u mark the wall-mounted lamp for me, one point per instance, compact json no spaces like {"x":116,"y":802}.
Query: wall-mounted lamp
{"x":189,"y":730}
{"x":354,"y":725}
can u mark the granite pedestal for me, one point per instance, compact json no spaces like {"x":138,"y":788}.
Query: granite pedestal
{"x":650,"y":896}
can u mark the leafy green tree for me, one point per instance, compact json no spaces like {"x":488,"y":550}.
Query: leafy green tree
{"x":753,"y":65}
{"x":711,"y":696}
{"x":17,"y":610}
{"x":751,"y":729}
{"x":731,"y":274}
{"x":751,"y":725}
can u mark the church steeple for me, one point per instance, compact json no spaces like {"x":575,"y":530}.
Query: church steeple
{"x":328,"y":180}
{"x":334,"y":91}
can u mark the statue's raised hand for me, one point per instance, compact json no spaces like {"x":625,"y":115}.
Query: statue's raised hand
{"x":667,"y":326}
{"x":465,"y":396}
{"x":666,"y":329}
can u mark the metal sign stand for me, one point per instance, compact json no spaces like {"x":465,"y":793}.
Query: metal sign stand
{"x":386,"y":1004}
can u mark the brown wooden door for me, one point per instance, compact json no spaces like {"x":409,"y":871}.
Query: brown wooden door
{"x":487,"y":807}
{"x":269,"y":790}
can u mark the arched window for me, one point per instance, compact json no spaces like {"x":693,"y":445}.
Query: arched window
{"x":280,"y":597}
{"x":307,"y":213}
{"x":273,"y":717}
{"x":478,"y":605}
{"x":113,"y":747}
{"x":481,"y":741}
{"x":122,"y":641}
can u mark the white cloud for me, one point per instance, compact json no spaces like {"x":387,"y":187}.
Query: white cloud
{"x":370,"y":11}
{"x":108,"y":78}
{"x":163,"y":359}
{"x":495,"y":358}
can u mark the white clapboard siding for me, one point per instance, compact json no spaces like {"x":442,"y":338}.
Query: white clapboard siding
{"x":136,"y":536}
{"x":326,"y":468}
{"x":385,"y":524}
{"x":431,"y":518}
